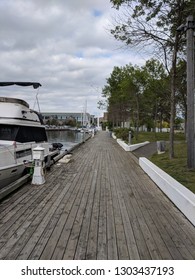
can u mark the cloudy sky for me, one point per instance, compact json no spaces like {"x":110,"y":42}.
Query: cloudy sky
{"x":63,"y":44}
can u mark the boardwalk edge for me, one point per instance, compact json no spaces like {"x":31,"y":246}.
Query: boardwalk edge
{"x":130,"y":148}
{"x":183,"y":198}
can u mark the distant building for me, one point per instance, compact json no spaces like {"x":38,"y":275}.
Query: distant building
{"x":79,"y":118}
{"x":104,"y":119}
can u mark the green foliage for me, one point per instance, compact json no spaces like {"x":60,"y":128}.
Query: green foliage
{"x":154,"y":23}
{"x":138,"y":94}
{"x":102,"y":104}
{"x":54,"y":121}
{"x":177,"y":167}
{"x":118,"y":3}
{"x":181,"y":85}
{"x":123,"y":133}
{"x":70,"y":122}
{"x":106,"y":125}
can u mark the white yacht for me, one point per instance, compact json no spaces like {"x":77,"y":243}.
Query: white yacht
{"x":21,"y":130}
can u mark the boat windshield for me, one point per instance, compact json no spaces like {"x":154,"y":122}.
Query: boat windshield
{"x":22,"y":134}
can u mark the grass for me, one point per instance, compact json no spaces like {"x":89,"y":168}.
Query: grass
{"x":153,"y":137}
{"x":177,"y":167}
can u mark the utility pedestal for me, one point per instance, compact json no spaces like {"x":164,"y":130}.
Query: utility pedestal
{"x":161,"y":146}
{"x":38,"y":157}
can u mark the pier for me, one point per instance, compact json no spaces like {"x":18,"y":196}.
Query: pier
{"x":101,"y":205}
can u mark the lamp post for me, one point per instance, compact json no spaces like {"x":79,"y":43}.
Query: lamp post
{"x":190,"y":26}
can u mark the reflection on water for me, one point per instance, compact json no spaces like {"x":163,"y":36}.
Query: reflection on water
{"x":67,"y":138}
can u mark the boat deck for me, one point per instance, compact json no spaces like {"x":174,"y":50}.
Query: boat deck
{"x":101,"y":205}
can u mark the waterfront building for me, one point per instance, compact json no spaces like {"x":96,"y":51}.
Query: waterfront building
{"x":64,"y":117}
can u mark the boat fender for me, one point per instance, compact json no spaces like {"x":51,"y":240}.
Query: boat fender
{"x":57,"y":146}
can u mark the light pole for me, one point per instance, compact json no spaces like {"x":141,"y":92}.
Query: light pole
{"x":189,"y":28}
{"x":190,"y":25}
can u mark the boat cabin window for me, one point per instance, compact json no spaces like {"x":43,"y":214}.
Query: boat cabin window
{"x":22,"y":134}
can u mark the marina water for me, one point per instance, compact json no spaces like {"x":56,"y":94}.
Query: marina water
{"x":69,"y":138}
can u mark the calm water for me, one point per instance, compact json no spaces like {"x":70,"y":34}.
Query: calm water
{"x":67,"y":138}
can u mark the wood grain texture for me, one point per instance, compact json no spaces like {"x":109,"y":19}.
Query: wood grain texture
{"x":101,"y":205}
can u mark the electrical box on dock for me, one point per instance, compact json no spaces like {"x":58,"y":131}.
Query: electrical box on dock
{"x":38,"y":153}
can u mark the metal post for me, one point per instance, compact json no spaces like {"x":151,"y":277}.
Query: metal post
{"x":190,"y":93}
{"x":130,"y":137}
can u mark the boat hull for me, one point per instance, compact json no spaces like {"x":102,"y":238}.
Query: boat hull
{"x":10,"y":174}
{"x":21,"y":130}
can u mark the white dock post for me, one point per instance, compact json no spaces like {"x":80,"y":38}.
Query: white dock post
{"x":38,"y":157}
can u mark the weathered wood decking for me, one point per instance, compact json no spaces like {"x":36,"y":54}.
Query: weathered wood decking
{"x":101,"y":205}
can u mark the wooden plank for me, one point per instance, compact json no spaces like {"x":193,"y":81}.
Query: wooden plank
{"x":19,"y":199}
{"x":8,"y":229}
{"x":144,"y":195}
{"x":102,"y":229}
{"x":123,"y":229}
{"x":81,"y":248}
{"x":99,"y":206}
{"x":155,"y":232}
{"x":135,"y":239}
{"x":47,"y":232}
{"x":39,"y":225}
{"x":155,"y":237}
{"x":21,"y":232}
{"x":76,"y":227}
{"x":91,"y":253}
{"x":166,"y":214}
{"x":62,"y":231}
{"x":111,"y":231}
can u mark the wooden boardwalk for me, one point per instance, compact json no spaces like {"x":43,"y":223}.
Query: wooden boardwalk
{"x":101,"y":205}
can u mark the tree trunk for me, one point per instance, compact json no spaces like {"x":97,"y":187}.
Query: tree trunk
{"x":137,"y":117}
{"x":173,"y":88}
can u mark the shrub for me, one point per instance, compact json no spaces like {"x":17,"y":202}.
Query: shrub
{"x":123,"y":133}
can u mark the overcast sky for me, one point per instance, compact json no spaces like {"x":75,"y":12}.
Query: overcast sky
{"x":63,"y":44}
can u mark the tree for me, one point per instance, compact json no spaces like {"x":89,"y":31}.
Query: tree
{"x":138,"y":94}
{"x":116,"y":97}
{"x":157,"y":92}
{"x":152,"y":22}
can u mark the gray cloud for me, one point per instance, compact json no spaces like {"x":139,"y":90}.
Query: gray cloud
{"x":64,"y":45}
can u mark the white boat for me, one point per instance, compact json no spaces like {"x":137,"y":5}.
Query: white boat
{"x":21,"y":130}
